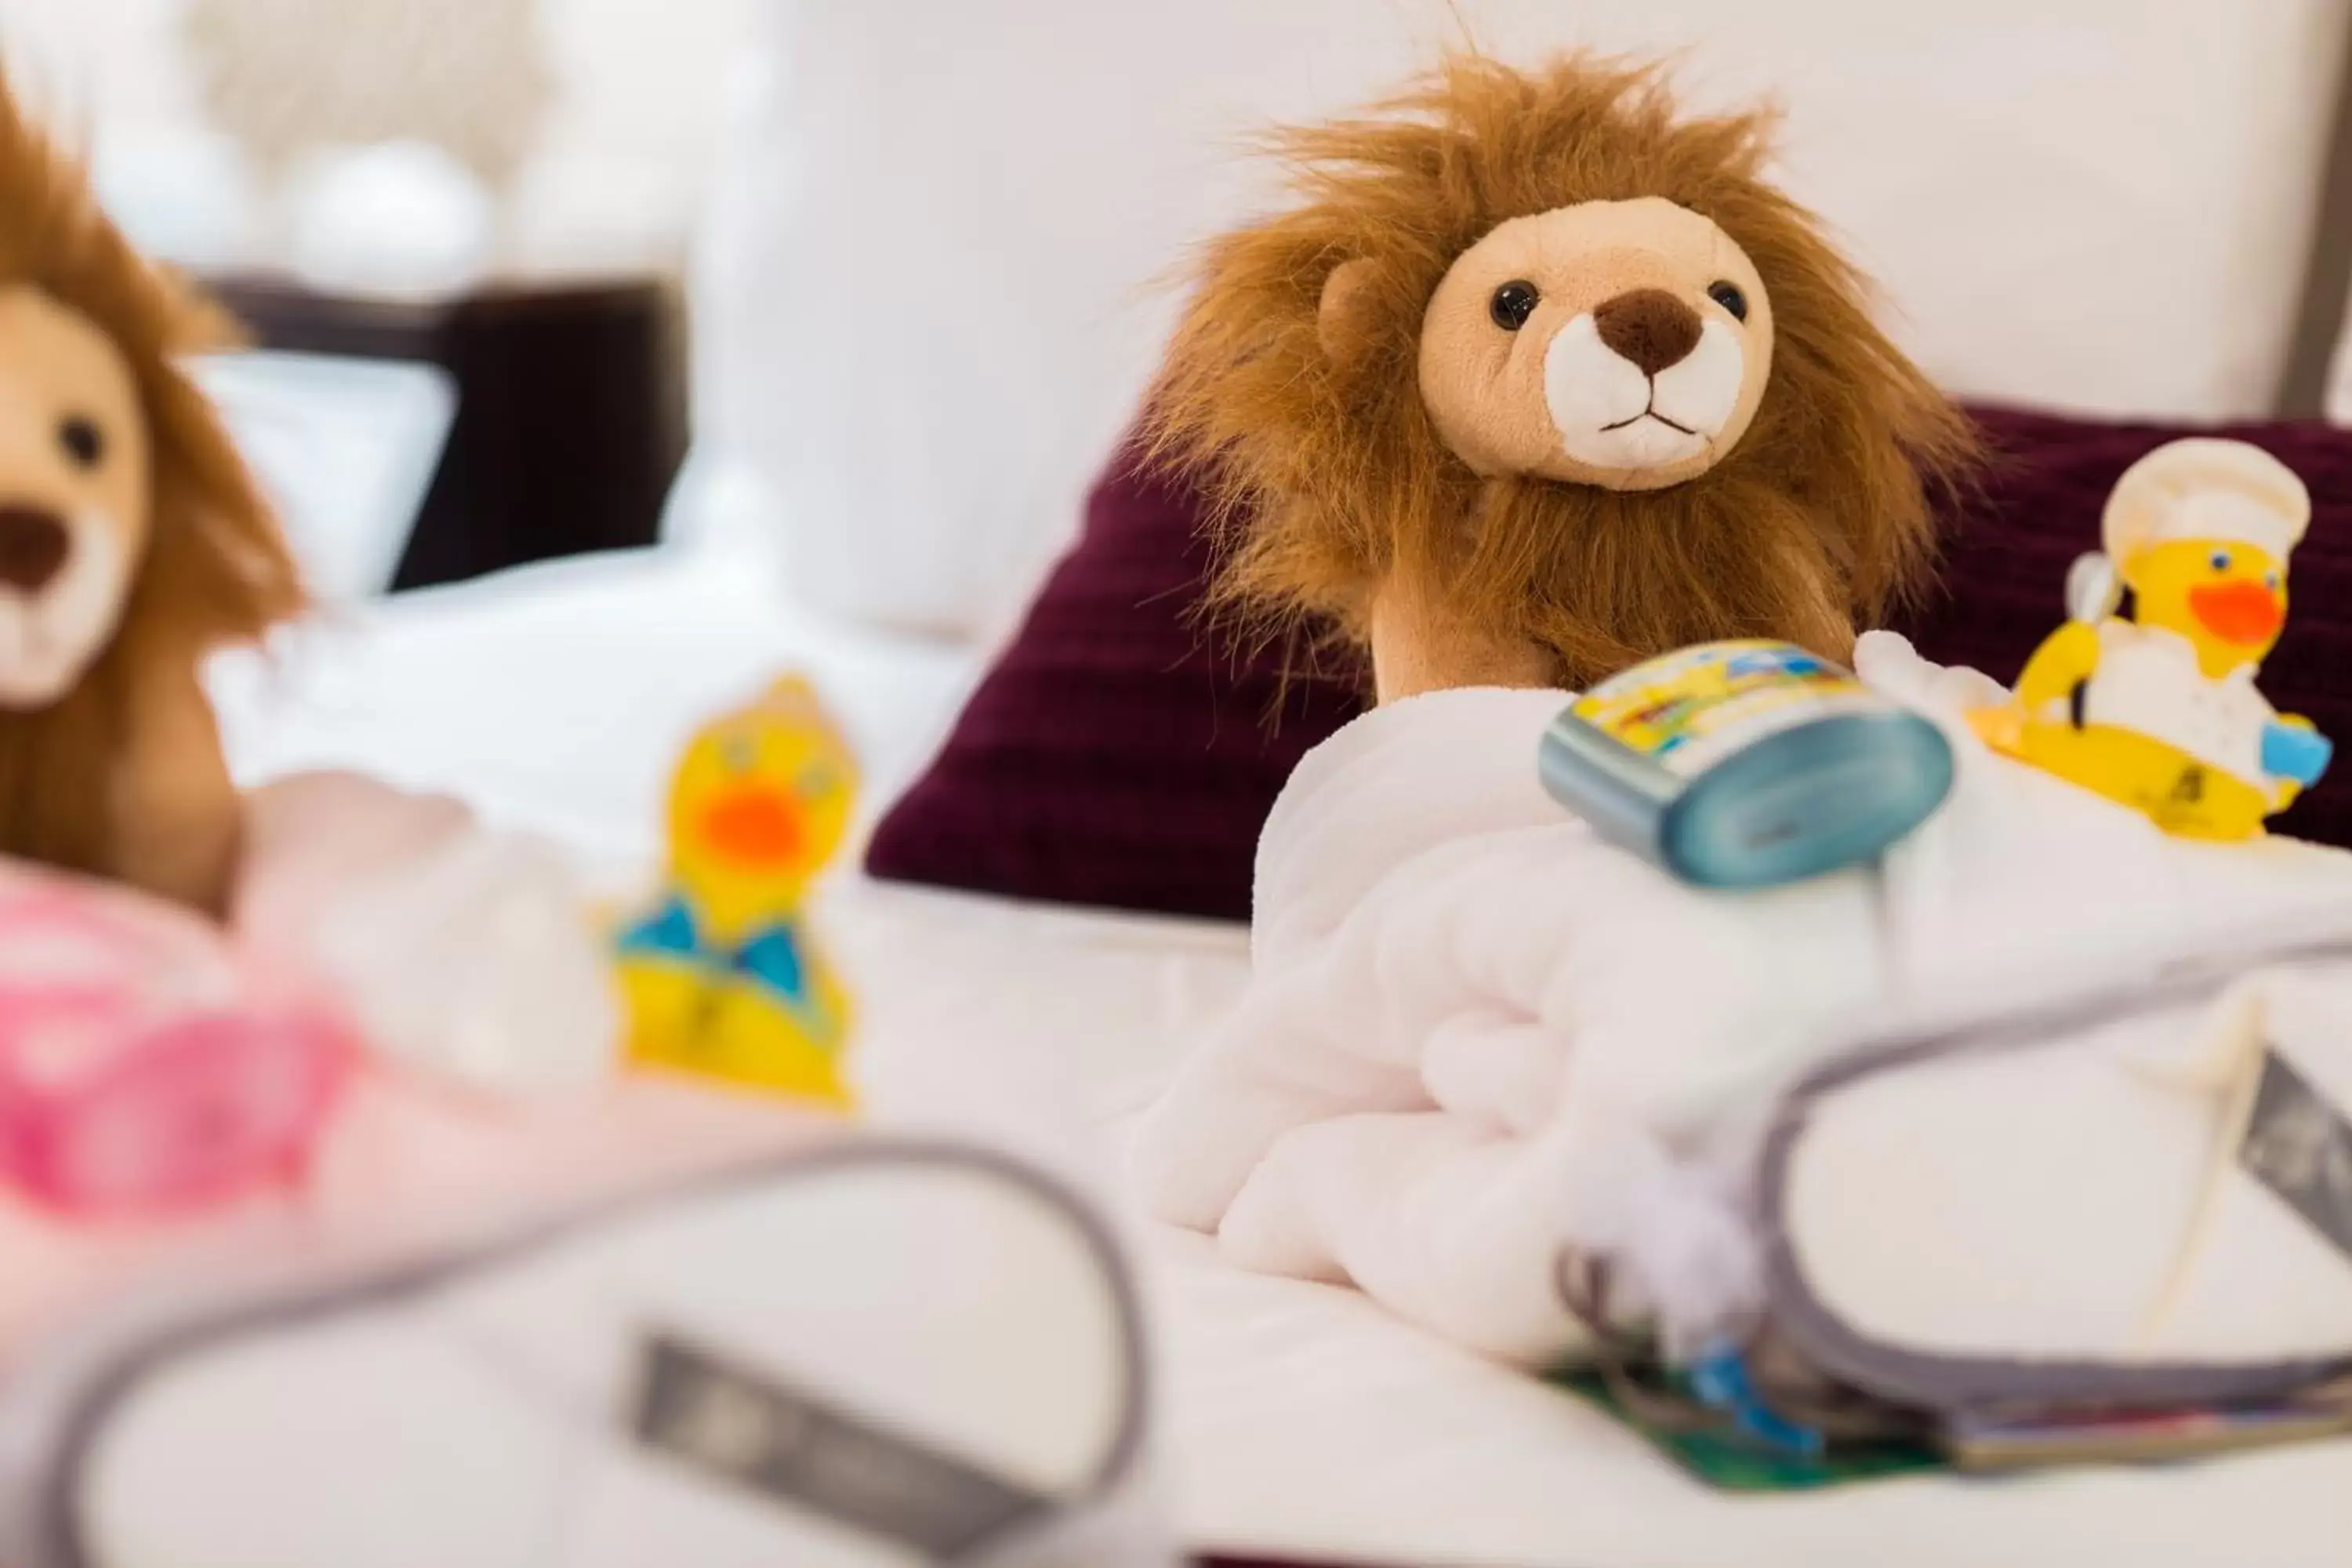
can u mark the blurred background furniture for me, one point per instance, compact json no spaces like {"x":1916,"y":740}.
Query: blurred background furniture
{"x":283,"y":77}
{"x":570,"y":417}
{"x":492,"y":199}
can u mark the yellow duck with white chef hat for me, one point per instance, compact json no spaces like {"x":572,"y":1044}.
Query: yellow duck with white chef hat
{"x":2159,"y":711}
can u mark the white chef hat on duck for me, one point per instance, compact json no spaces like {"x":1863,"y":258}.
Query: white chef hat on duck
{"x":2206,"y":489}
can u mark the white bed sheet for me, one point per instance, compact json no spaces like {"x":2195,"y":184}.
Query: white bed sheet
{"x":1302,"y":1420}
{"x":557,"y":697}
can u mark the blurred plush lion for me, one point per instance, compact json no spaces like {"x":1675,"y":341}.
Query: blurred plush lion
{"x":1538,"y":378}
{"x":132,"y":544}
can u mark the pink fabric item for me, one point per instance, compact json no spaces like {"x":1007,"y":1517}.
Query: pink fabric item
{"x":145,"y":1065}
{"x":403,"y":1165}
{"x":467,"y":953}
{"x":310,"y":837}
{"x":400,"y":1161}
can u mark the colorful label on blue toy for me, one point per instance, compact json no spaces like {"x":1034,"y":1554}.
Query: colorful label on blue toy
{"x":1689,"y":710}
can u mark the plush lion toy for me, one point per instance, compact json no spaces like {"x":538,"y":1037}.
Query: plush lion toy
{"x":132,"y":544}
{"x":1539,"y":379}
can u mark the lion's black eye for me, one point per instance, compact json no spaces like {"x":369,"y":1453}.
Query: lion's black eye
{"x":1513,"y":304}
{"x":82,"y":441}
{"x":1727,"y":295}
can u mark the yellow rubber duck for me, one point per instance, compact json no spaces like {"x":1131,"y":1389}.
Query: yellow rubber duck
{"x":722,"y":977}
{"x":2159,"y":711}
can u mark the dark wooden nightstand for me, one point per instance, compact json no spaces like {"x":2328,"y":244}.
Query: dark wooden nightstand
{"x":570,"y":410}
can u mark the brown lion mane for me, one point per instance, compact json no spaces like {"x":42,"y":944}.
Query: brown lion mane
{"x":1328,"y":478}
{"x":216,"y":570}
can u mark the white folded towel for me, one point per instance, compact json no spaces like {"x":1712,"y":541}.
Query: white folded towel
{"x":1476,"y":1032}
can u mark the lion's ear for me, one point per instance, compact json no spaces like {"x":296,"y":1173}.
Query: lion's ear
{"x":1347,"y":318}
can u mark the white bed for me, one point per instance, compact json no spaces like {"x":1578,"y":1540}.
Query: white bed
{"x":1302,"y":1421}
{"x":922,"y":313}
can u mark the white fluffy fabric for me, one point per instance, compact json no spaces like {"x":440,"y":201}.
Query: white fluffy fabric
{"x":1476,"y":1032}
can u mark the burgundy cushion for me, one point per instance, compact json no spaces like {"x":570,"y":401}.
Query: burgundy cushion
{"x":1119,"y":755}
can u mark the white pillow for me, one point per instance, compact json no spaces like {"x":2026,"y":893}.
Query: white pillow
{"x":345,"y":448}
{"x":926,"y":306}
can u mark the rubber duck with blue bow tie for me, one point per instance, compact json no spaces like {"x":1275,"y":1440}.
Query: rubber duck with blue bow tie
{"x":722,"y":977}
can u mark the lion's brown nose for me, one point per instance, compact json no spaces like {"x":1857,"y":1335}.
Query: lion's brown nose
{"x":1648,"y":326}
{"x":33,"y":547}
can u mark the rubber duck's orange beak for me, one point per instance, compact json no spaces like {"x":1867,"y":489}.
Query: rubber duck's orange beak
{"x":755,"y":827}
{"x":2245,"y":613}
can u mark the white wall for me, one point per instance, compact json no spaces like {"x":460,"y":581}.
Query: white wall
{"x":91,"y":60}
{"x":630,"y":145}
{"x":931,"y":310}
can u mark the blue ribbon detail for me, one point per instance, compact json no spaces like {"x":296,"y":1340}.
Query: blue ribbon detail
{"x":1720,"y":1379}
{"x":669,"y":930}
{"x":773,"y":959}
{"x":772,"y":956}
